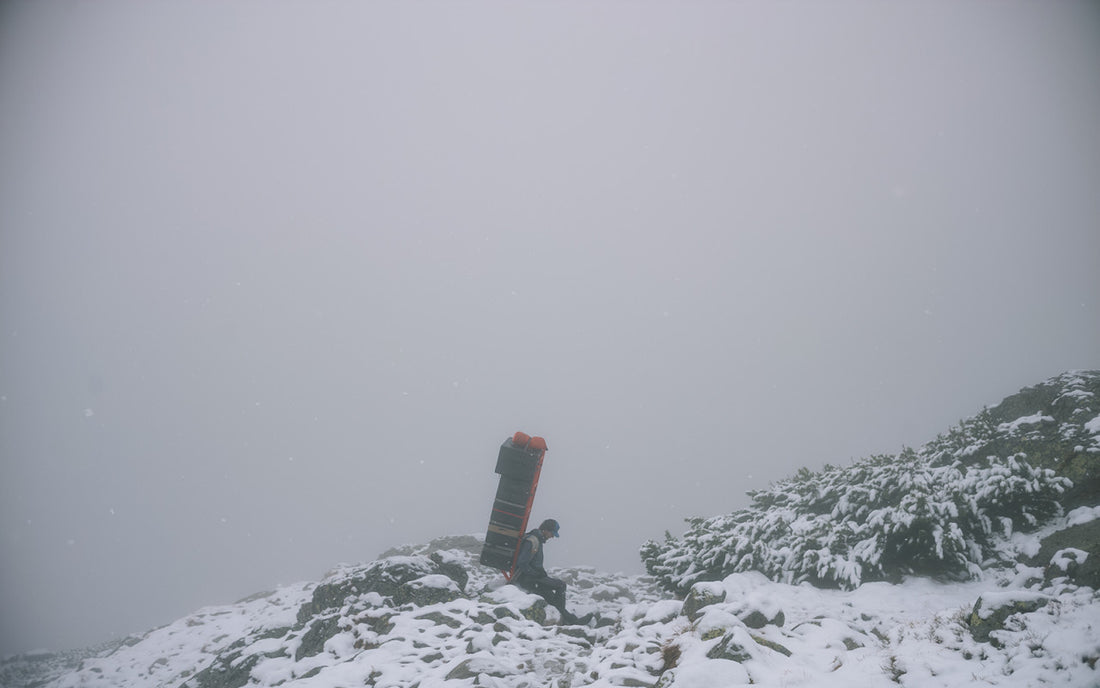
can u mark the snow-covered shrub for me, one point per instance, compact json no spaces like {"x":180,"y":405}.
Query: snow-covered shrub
{"x":877,"y":519}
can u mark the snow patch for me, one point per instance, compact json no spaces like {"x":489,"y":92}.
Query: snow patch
{"x":1070,"y":555}
{"x":1014,"y":427}
{"x":992,"y":601}
{"x":435,"y":581}
{"x":1082,"y":514}
{"x":712,"y":673}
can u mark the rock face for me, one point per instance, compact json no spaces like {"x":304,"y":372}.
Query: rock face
{"x":401,"y":625}
{"x":427,"y":608}
{"x":430,"y":615}
{"x":1057,"y":425}
{"x":344,"y":600}
{"x":702,"y":595}
{"x":758,"y":618}
{"x":992,"y":610}
{"x":1080,"y":562}
{"x":415,"y":579}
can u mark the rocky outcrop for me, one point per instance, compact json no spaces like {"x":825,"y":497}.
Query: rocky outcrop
{"x":738,"y":645}
{"x":429,"y":614}
{"x":504,"y":637}
{"x":349,"y":599}
{"x":942,"y":511}
{"x":405,"y":579}
{"x":992,"y":611}
{"x":1057,"y":425}
{"x":702,"y":595}
{"x":1072,"y":553}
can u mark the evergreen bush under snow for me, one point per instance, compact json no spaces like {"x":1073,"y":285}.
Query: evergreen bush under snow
{"x":877,"y":519}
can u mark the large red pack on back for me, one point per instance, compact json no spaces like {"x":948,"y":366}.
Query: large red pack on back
{"x":519,"y":464}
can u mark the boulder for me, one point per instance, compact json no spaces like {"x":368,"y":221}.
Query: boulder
{"x":450,"y":566}
{"x":731,"y":647}
{"x":1083,"y":566}
{"x":513,"y":599}
{"x":427,"y":590}
{"x":230,"y":671}
{"x":662,"y":612}
{"x":1082,"y":466}
{"x":702,"y":595}
{"x":477,"y":666}
{"x":388,"y":577}
{"x":993,"y":609}
{"x":313,"y":640}
{"x":777,"y":647}
{"x":1067,"y":563}
{"x":758,"y":618}
{"x":536,"y":611}
{"x":440,"y":619}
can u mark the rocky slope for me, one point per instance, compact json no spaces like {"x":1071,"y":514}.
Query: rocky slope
{"x":430,"y":615}
{"x":948,"y":509}
{"x":1055,"y":424}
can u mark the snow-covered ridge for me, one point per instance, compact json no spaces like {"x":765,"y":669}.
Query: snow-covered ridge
{"x":744,"y":629}
{"x":949,"y":509}
{"x":996,"y":504}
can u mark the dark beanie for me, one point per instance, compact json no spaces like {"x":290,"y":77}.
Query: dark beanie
{"x":550,"y":525}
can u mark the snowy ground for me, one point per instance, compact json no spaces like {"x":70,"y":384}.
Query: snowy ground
{"x":914,"y":634}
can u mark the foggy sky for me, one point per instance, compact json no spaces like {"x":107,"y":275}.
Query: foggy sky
{"x":277,"y":279}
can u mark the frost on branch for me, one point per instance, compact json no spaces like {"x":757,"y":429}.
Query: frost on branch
{"x":877,"y":519}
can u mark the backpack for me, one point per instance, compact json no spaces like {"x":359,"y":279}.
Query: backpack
{"x":535,"y":543}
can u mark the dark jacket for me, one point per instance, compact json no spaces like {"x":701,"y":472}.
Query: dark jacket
{"x":529,"y":562}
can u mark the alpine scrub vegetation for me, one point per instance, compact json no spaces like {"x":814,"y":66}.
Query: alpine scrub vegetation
{"x":432,"y":614}
{"x":946,"y":510}
{"x":878,"y":519}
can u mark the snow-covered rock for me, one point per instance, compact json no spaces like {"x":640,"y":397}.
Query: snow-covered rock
{"x":916,"y":633}
{"x":948,"y":509}
{"x":986,"y":499}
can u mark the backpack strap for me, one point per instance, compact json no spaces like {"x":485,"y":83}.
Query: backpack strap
{"x":535,"y":542}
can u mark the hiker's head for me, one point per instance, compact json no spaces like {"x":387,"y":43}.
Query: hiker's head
{"x":550,"y":527}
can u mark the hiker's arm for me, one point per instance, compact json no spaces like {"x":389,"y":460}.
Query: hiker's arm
{"x":523,"y":562}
